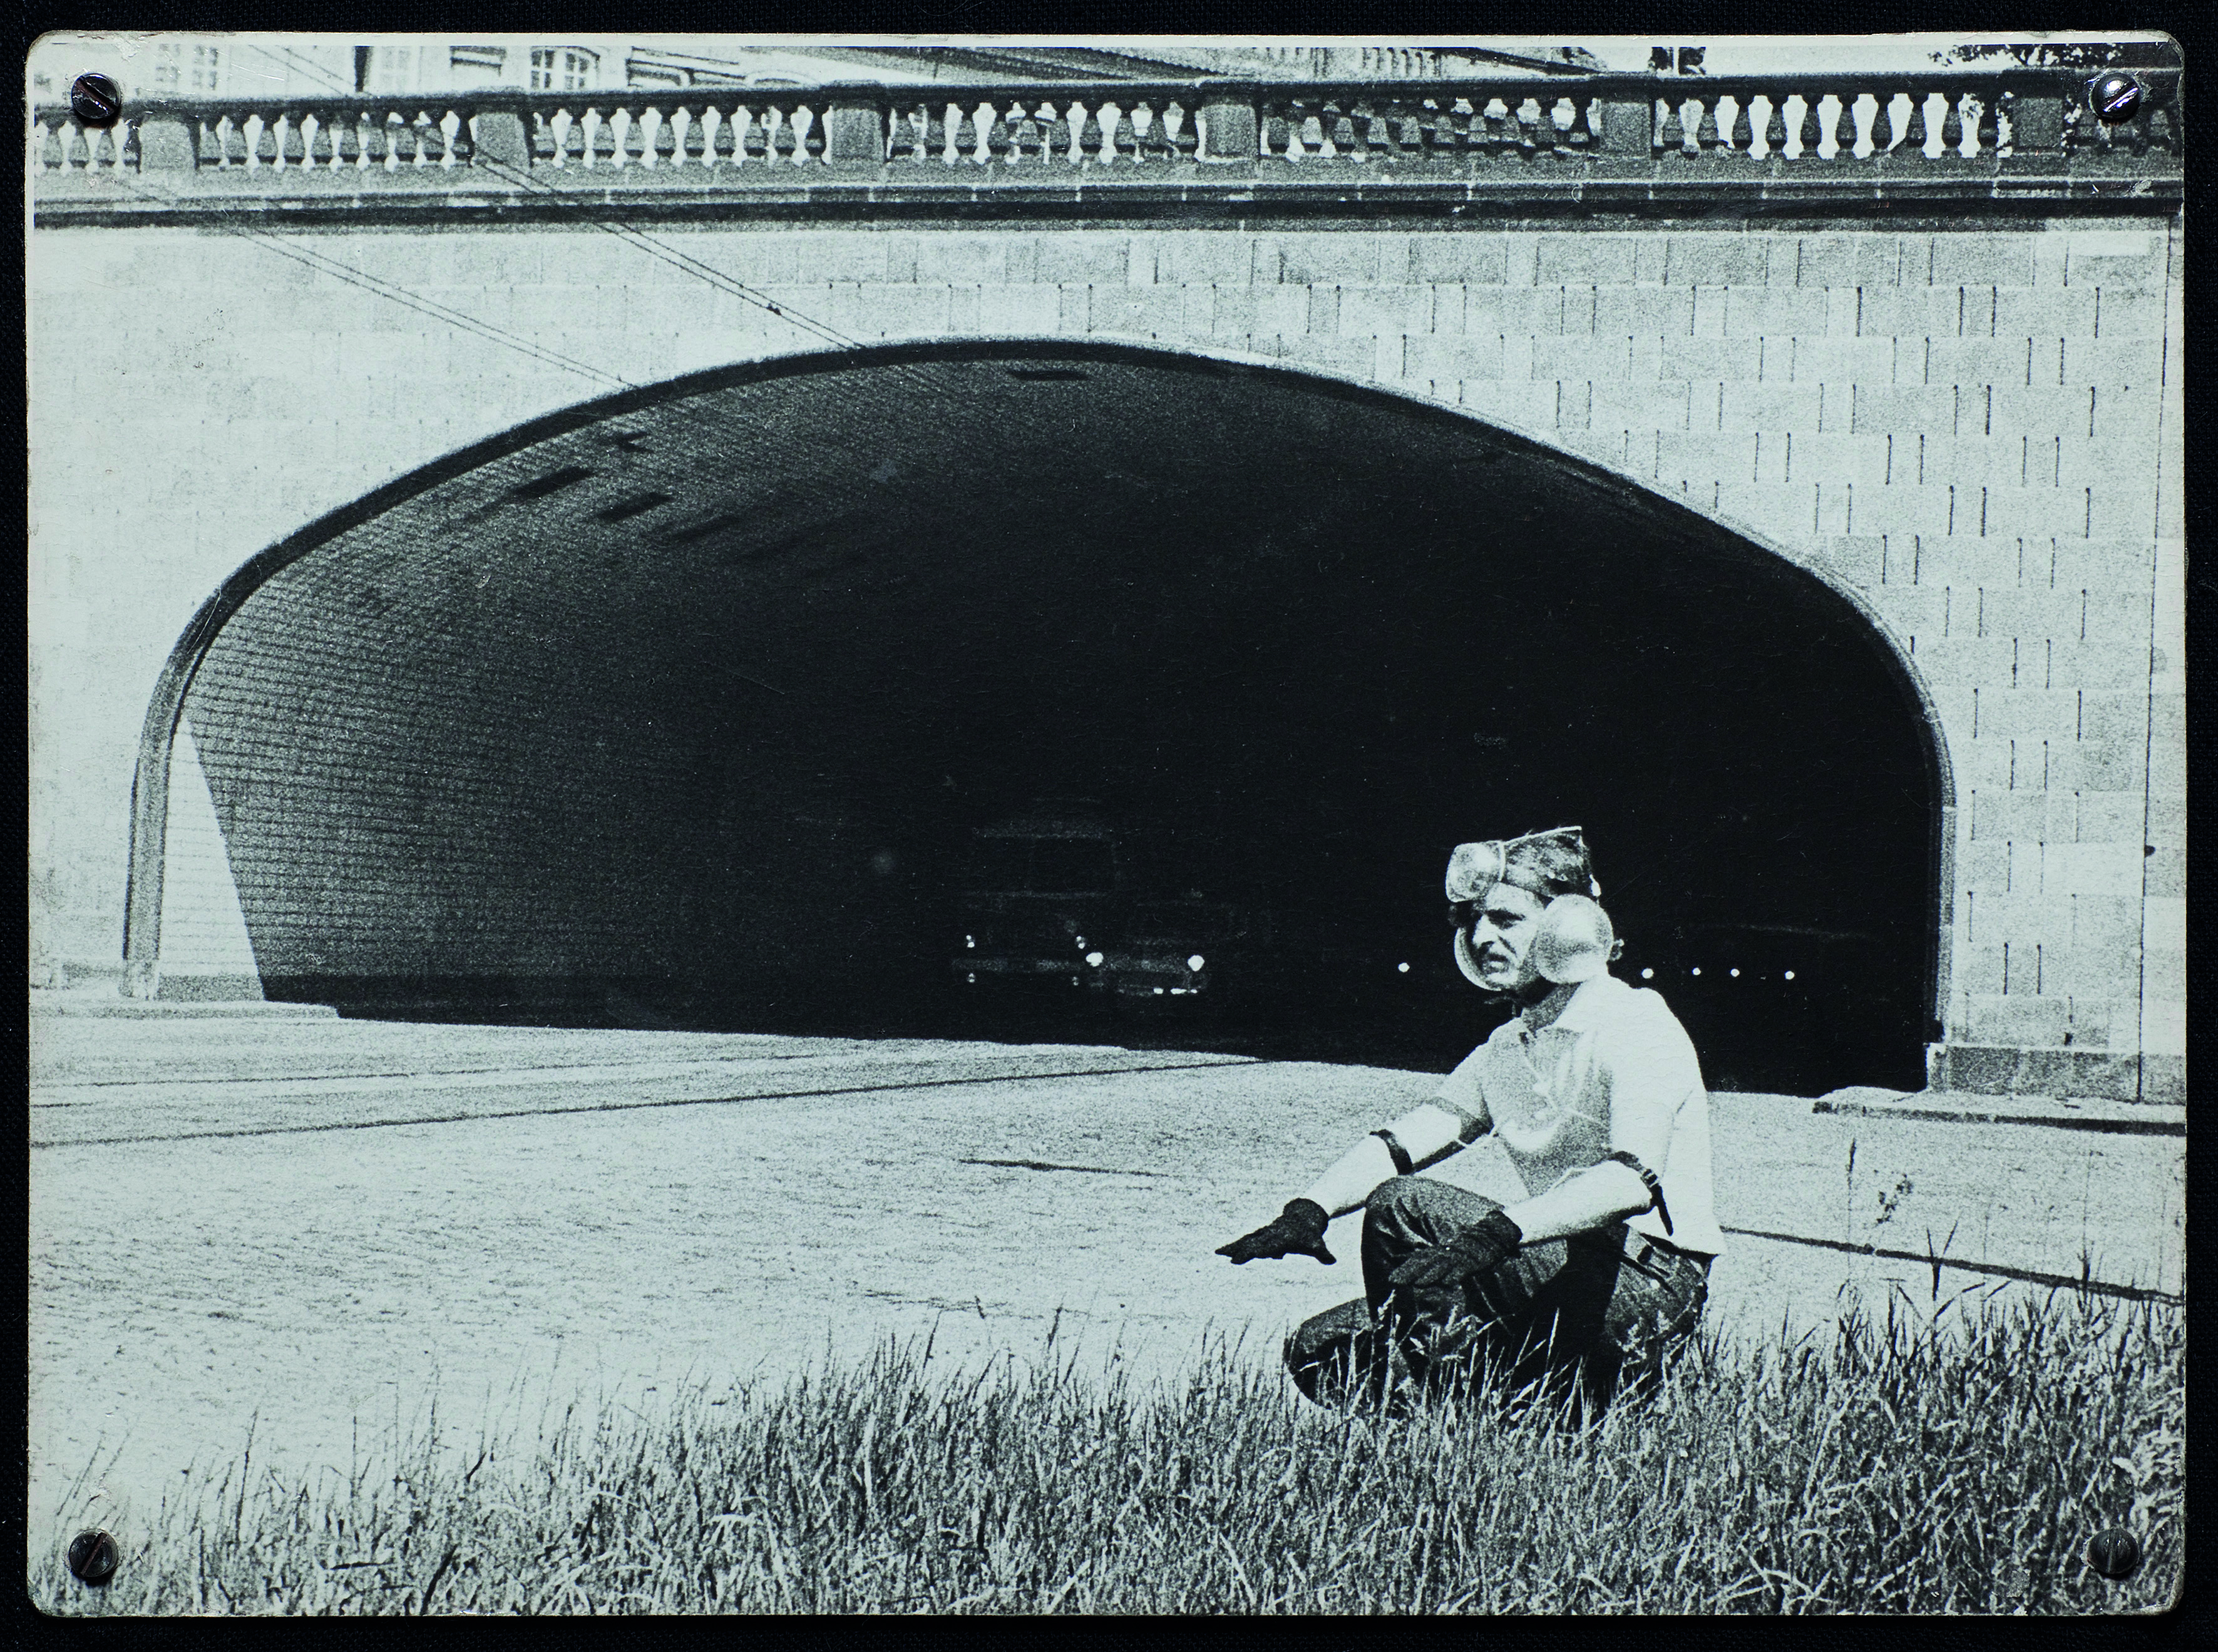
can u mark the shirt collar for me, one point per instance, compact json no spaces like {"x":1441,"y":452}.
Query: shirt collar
{"x":1577,"y":1011}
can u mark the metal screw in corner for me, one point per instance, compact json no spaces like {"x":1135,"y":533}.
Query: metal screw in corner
{"x":94,"y":100}
{"x":2115,"y":1554}
{"x":91,"y":1558}
{"x":2114,"y":97}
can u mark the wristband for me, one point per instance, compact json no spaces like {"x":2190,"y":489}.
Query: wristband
{"x":1631,"y":1162}
{"x":1403,"y":1165}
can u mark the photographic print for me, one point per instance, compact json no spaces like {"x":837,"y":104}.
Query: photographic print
{"x":991,"y":825}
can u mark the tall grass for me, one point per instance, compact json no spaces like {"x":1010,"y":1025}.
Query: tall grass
{"x":1953,"y":1464}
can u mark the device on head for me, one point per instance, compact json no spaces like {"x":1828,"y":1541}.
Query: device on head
{"x":1576,"y":940}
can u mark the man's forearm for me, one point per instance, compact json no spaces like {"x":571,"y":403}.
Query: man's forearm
{"x":1595,"y":1196}
{"x":1353,"y":1177}
{"x":1426,"y":1134}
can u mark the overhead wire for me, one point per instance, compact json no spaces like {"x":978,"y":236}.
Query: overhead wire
{"x":276,"y":242}
{"x":683,"y":262}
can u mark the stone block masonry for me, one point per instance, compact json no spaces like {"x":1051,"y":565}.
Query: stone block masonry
{"x":1975,"y":430}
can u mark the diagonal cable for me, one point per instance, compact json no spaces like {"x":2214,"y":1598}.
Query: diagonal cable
{"x":352,"y":276}
{"x":683,"y":262}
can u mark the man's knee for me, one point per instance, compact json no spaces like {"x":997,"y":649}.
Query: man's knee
{"x":1420,"y":1207}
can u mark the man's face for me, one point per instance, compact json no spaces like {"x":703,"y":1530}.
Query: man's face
{"x":1502,"y":931}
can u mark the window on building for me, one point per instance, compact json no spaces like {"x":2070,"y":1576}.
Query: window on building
{"x":208,"y":63}
{"x":168,"y":73}
{"x":562,"y":69}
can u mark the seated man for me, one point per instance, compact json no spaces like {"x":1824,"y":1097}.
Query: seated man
{"x":1595,"y":1092}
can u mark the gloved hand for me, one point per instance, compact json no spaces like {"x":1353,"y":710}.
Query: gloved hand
{"x":1474,"y":1251}
{"x":1299,"y":1230}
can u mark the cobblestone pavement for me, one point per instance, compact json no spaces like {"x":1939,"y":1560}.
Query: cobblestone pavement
{"x":309,"y":1227}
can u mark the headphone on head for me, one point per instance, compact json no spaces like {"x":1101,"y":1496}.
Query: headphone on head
{"x":1575,"y":941}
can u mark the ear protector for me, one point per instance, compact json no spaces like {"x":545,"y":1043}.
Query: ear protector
{"x":1575,"y":941}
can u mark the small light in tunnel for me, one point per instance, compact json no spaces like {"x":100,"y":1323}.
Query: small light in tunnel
{"x":1790,"y":974}
{"x":1082,"y":942}
{"x":1159,"y":992}
{"x":1697,"y":970}
{"x":1735,"y":974}
{"x":970,"y":940}
{"x":1402,"y":968}
{"x":973,"y":980}
{"x":1093,"y":959}
{"x":1195,"y":962}
{"x":1648,"y":974}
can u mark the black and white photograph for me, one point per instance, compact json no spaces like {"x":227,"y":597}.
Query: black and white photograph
{"x":1082,"y":826}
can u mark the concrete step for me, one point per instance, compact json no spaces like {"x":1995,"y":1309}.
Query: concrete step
{"x":2060,"y":1112}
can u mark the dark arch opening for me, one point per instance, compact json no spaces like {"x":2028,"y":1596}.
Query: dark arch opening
{"x":682,"y":706}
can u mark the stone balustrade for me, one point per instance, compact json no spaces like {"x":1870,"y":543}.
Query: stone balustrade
{"x":1953,"y":125}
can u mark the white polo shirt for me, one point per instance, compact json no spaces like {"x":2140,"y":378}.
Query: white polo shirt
{"x":1614,"y":1072}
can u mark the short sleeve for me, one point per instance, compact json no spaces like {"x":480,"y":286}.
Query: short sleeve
{"x":1459,"y":1092}
{"x":1651,"y":1071}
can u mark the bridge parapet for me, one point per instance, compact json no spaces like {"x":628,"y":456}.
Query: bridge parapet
{"x":1954,"y":132}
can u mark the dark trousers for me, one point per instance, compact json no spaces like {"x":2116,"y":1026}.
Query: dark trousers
{"x":1576,"y":1319}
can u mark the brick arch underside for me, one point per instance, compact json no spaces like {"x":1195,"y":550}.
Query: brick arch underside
{"x":700,"y":695}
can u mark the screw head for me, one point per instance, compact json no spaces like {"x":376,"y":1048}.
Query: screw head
{"x":91,"y":1558}
{"x":2114,"y":97}
{"x":94,"y":100}
{"x":2115,"y":1553}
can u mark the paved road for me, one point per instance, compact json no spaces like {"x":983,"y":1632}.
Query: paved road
{"x":297,"y":1225}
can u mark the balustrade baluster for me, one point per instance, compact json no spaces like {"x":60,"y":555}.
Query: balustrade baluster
{"x":620,"y":130}
{"x":1794,"y":116}
{"x":1752,"y":128}
{"x":1864,"y":118}
{"x":982,"y":123}
{"x":1731,"y":115}
{"x":1564,"y":114}
{"x":743,"y":133}
{"x":1952,"y":125}
{"x":252,"y":132}
{"x":1978,"y":126}
{"x":1897,"y":109}
{"x":1452,"y":130}
{"x":803,"y":120}
{"x":681,"y":130}
{"x":451,"y":126}
{"x":650,"y":129}
{"x":1110,"y":119}
{"x":1698,"y":125}
{"x":1829,"y":114}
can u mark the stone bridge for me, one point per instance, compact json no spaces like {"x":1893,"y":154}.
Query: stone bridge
{"x":459,"y":526}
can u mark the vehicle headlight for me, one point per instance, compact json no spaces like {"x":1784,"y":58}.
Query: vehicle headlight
{"x":1093,"y":959}
{"x":1195,"y":962}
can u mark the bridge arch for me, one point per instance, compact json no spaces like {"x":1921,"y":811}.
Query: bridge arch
{"x":697,"y":684}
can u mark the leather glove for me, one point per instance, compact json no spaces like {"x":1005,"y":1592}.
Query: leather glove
{"x":1299,"y":1230}
{"x":1474,"y":1251}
